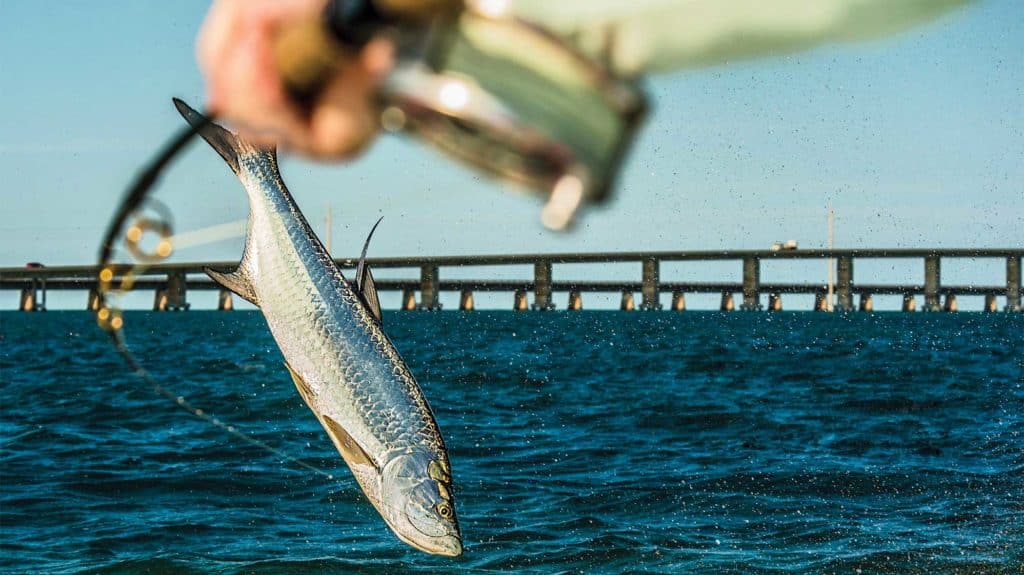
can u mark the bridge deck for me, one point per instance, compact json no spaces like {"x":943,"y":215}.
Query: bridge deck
{"x":173,"y":280}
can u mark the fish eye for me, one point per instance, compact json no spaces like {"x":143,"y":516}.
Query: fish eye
{"x":445,"y":511}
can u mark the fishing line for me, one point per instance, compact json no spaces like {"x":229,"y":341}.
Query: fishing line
{"x":183,"y":403}
{"x":208,"y":235}
{"x":111,"y":319}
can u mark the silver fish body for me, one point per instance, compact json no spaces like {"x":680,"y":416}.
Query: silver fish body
{"x":344,"y":365}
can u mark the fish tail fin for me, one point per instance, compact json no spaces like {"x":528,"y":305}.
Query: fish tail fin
{"x":228,"y":145}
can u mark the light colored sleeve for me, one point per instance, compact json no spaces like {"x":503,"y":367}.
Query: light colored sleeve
{"x":637,"y":36}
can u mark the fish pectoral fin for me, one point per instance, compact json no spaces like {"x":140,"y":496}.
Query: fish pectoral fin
{"x":349,"y":448}
{"x":235,"y":281}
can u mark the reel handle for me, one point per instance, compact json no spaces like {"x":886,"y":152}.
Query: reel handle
{"x":307,"y":54}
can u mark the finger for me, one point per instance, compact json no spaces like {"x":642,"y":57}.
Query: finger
{"x":247,"y":90}
{"x":289,"y":10}
{"x":217,"y":34}
{"x":344,"y":119}
{"x":418,"y":8}
{"x":378,"y":57}
{"x":220,"y":43}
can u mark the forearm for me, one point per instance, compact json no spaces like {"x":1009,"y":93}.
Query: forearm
{"x":657,"y":35}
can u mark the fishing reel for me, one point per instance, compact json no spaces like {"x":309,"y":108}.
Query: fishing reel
{"x":494,"y":91}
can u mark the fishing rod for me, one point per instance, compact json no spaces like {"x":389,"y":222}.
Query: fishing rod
{"x":138,"y":214}
{"x":467,"y":81}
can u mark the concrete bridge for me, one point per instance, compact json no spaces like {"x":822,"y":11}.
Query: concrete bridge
{"x":170,"y":283}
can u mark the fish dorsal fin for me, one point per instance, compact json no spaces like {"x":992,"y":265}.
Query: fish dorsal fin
{"x":365,"y":286}
{"x":350,"y":450}
{"x":236,"y":281}
{"x":369,"y":293}
{"x":361,"y":268}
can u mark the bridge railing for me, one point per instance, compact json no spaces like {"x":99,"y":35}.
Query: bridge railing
{"x":171,"y":281}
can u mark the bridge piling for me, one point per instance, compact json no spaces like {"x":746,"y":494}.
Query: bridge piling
{"x":575,"y":300}
{"x":1013,"y":277}
{"x":519,"y":301}
{"x":172,"y":295}
{"x":991,"y":303}
{"x":650,"y":291}
{"x":33,"y":296}
{"x":751,"y":284}
{"x":409,"y":300}
{"x":678,"y":301}
{"x":160,"y":299}
{"x":93,"y":301}
{"x":627,"y":303}
{"x":950,"y":305}
{"x":429,"y":297}
{"x":932,"y":283}
{"x":225,"y":301}
{"x":820,"y":301}
{"x":844,"y":286}
{"x":867,"y":303}
{"x":27,"y":301}
{"x":542,"y":286}
{"x":727,"y":302}
{"x":909,"y":303}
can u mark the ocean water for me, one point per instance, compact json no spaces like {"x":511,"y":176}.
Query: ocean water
{"x":595,"y":442}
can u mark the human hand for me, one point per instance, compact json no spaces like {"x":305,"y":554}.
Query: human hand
{"x":235,"y":51}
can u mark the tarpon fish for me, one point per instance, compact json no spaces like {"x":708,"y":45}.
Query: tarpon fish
{"x":343,"y":364}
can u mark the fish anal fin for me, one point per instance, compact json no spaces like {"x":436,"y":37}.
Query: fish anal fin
{"x":368,"y":290}
{"x":235,"y":281}
{"x":350,"y":450}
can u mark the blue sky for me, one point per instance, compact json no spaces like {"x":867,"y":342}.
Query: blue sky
{"x":917,"y":140}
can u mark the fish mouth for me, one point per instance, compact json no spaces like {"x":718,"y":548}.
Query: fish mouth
{"x":445,"y":545}
{"x":449,"y":546}
{"x":431,"y":537}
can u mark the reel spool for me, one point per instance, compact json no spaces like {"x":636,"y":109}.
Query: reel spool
{"x":511,"y":99}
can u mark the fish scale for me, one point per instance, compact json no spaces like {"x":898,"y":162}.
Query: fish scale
{"x":354,"y":338}
{"x":326,"y":333}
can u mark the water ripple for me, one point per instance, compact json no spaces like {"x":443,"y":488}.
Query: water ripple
{"x":598,"y":442}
